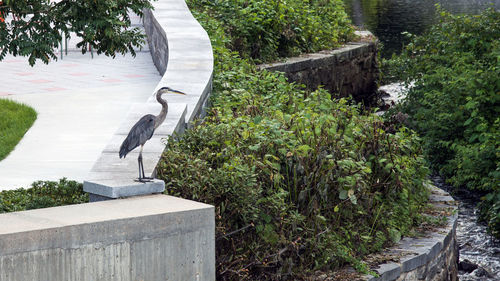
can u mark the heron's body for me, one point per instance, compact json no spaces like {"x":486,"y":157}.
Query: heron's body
{"x":144,"y":129}
{"x":140,"y":133}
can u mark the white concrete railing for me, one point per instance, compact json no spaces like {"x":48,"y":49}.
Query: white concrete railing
{"x":182,"y":52}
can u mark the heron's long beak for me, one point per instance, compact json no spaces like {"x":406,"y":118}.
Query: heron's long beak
{"x":176,"y":92}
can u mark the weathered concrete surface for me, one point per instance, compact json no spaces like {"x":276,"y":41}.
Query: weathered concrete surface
{"x":182,"y":53}
{"x":125,"y":188}
{"x":431,"y":258}
{"x":349,"y":70}
{"x":155,"y":237}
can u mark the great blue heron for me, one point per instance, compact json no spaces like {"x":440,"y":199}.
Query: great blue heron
{"x":143,"y":130}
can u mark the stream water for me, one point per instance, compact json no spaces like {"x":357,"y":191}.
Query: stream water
{"x":388,"y":19}
{"x":475,"y":245}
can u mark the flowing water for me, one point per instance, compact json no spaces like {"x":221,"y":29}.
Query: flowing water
{"x":475,"y":245}
{"x":388,"y":19}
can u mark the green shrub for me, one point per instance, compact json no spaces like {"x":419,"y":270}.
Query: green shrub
{"x":300,"y":182}
{"x":269,"y":29}
{"x":489,"y":212}
{"x":455,"y":103}
{"x":43,"y":194}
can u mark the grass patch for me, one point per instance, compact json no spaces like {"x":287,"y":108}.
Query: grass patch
{"x":15,"y":120}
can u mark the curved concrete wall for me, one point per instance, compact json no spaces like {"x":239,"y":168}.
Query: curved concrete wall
{"x":182,"y":53}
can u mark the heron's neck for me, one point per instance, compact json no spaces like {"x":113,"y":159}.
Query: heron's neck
{"x":163,"y":113}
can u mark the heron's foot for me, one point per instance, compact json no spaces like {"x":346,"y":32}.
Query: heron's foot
{"x":144,"y":180}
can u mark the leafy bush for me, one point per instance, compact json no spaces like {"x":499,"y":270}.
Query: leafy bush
{"x":455,"y":103}
{"x":269,"y":29}
{"x":43,"y":194}
{"x":300,"y":182}
{"x":489,"y":212}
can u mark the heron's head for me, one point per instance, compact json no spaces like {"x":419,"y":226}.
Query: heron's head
{"x":164,"y":90}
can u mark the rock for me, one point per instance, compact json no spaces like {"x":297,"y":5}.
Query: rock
{"x":467,"y":266}
{"x":482,"y":272}
{"x":322,"y":277}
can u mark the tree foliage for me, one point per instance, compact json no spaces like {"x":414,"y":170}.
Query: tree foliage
{"x":34,"y":28}
{"x":455,"y":101}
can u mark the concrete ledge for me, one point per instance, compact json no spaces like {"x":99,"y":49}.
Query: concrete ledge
{"x":433,"y":257}
{"x":154,"y":237}
{"x":126,"y":188}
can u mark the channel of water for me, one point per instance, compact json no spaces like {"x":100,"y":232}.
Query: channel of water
{"x":388,"y":20}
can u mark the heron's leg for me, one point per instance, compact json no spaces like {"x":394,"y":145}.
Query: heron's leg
{"x":139,"y":162}
{"x":142,"y":168}
{"x":142,"y":177}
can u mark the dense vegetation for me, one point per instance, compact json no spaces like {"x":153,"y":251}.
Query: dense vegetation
{"x":455,"y":102}
{"x":300,"y":182}
{"x":15,"y":120}
{"x":43,"y":194}
{"x":268,"y":29}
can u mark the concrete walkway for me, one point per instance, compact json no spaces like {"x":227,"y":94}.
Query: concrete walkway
{"x":80,"y":103}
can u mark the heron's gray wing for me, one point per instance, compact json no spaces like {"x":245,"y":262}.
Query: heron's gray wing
{"x":141,"y":132}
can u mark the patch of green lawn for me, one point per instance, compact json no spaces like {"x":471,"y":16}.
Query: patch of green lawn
{"x":15,"y":120}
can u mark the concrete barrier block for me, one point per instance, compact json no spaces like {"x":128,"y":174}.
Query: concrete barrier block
{"x":120,"y":187}
{"x":154,"y":237}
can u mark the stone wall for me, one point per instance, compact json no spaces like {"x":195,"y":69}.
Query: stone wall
{"x":349,"y":70}
{"x":433,"y":257}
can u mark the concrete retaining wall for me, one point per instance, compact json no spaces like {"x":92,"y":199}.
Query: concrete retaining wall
{"x":349,"y":70}
{"x":154,"y":237}
{"x":433,"y":257}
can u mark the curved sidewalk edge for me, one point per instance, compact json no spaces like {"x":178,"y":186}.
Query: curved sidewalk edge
{"x":182,"y":53}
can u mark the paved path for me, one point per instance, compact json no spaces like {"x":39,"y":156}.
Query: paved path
{"x":80,"y":103}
